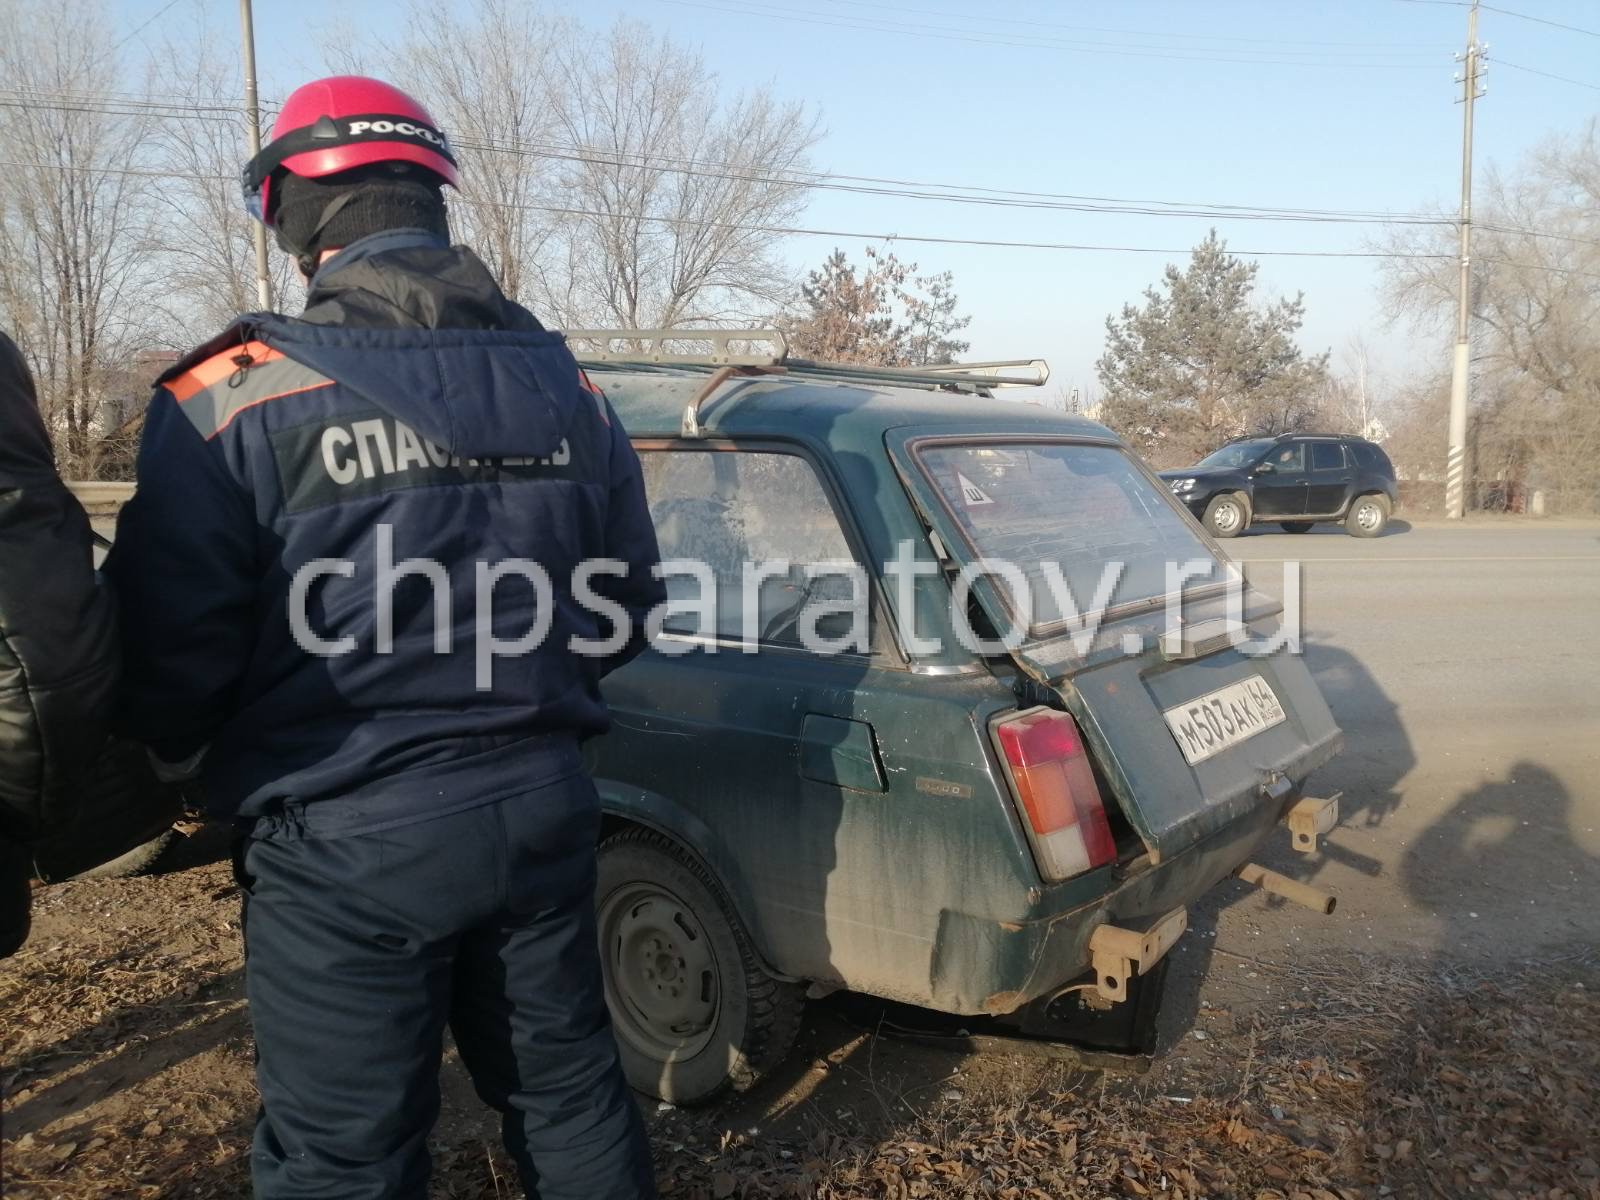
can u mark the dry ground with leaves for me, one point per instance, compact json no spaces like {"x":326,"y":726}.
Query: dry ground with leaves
{"x":127,"y":1073}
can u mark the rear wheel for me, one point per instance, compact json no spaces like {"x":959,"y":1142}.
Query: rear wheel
{"x":1295,"y":526}
{"x":1226,"y":516}
{"x":1368,"y":516}
{"x":696,"y":1013}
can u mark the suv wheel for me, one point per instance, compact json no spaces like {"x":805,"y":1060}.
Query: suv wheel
{"x":1226,"y":516}
{"x":1296,"y":526}
{"x":695,"y":1011}
{"x":1368,"y":516}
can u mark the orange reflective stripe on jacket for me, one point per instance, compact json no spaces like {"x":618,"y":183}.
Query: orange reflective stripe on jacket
{"x":218,"y":367}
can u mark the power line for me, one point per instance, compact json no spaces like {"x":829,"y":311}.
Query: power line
{"x":1273,"y":45}
{"x":885,"y":238}
{"x":151,"y":110}
{"x":798,"y":176}
{"x":1209,"y":37}
{"x":899,"y":188}
{"x":1500,"y":62}
{"x":1113,"y":208}
{"x":143,"y":25}
{"x":1061,"y":202}
{"x":854,"y":235}
{"x":874,"y":25}
{"x":1506,"y":12}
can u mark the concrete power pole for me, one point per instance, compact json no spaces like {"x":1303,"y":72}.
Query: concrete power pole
{"x":252,"y":110}
{"x":1456,"y":463}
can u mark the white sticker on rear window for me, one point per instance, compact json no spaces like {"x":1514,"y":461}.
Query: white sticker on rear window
{"x":972,"y":493}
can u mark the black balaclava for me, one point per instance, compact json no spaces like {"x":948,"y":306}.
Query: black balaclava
{"x":313,"y":215}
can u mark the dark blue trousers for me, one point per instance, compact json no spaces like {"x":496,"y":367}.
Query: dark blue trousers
{"x":361,"y":948}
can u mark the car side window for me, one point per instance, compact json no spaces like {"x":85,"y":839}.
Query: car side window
{"x":1327,"y":456}
{"x":1370,"y":457}
{"x":1289,"y":459}
{"x":727,"y":508}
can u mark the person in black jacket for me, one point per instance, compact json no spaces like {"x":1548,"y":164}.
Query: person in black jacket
{"x":348,"y":527}
{"x":58,"y":662}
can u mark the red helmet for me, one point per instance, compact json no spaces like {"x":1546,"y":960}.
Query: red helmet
{"x":345,"y":121}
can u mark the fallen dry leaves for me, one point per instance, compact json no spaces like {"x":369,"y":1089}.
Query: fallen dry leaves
{"x":127,"y":1074}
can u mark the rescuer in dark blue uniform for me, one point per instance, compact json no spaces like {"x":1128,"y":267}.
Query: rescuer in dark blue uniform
{"x":359,"y":588}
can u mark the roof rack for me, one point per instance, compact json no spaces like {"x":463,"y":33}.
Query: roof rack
{"x":731,"y":353}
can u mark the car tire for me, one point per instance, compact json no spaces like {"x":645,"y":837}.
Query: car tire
{"x":1369,"y":515}
{"x":1296,"y":526}
{"x":1228,"y":515}
{"x":675,"y":955}
{"x":141,"y":860}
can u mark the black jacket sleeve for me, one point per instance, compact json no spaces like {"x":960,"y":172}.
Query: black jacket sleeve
{"x":184,"y":571}
{"x":58,"y":660}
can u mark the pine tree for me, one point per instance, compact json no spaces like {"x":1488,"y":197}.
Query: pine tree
{"x":1200,"y":362}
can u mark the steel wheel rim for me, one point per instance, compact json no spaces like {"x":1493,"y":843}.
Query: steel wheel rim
{"x":660,"y":971}
{"x":1227,"y":515}
{"x":1368,"y":516}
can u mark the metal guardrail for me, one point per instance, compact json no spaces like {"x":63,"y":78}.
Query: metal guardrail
{"x":95,"y":494}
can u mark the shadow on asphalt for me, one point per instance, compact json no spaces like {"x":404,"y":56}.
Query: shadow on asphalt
{"x":1378,"y":754}
{"x":1394,"y":528}
{"x":1501,"y":827}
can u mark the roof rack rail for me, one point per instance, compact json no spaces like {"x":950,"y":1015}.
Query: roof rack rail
{"x":735,"y":352}
{"x":713,"y":347}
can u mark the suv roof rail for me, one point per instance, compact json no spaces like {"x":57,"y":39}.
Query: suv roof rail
{"x":708,"y":348}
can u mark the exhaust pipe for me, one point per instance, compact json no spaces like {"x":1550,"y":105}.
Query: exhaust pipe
{"x":1315,"y":899}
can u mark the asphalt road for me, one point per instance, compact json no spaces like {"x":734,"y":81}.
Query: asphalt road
{"x":1463,"y":663}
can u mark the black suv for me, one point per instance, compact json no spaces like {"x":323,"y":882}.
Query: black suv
{"x":1293,"y":479}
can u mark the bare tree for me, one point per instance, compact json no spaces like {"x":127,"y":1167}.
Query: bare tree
{"x":1352,"y":398}
{"x":73,"y":213}
{"x":678,"y":193}
{"x":1536,"y":304}
{"x":205,"y":236}
{"x":489,"y":84}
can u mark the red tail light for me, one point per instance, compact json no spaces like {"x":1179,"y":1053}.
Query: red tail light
{"x":1054,"y":782}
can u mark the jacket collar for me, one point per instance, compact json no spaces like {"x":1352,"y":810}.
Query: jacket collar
{"x":364,"y":248}
{"x":410,"y":279}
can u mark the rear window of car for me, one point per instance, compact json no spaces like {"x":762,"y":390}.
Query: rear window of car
{"x":1075,"y":508}
{"x":1327,"y":456}
{"x":1371,"y":457}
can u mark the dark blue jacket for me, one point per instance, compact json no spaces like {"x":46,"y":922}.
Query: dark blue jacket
{"x":415,"y":416}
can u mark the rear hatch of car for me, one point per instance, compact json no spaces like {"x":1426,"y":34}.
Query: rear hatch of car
{"x":1094,"y":582}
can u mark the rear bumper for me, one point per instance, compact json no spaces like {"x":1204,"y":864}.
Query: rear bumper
{"x":982,"y":966}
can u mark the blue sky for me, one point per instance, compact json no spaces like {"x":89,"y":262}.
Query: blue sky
{"x":1323,"y":130}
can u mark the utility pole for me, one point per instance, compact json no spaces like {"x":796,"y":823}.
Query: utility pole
{"x":252,"y":111}
{"x":1456,"y":464}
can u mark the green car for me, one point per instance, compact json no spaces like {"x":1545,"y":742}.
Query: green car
{"x":932,"y":748}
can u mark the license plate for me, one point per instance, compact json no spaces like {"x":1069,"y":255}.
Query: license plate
{"x":1209,"y":724}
